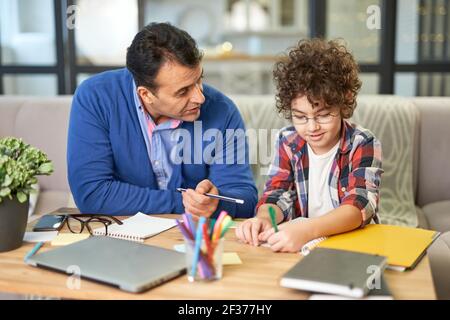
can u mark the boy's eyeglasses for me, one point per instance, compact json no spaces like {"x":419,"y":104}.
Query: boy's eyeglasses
{"x":77,"y":222}
{"x":321,"y":118}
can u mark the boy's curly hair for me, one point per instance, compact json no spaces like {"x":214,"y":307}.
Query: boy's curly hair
{"x":320,"y":70}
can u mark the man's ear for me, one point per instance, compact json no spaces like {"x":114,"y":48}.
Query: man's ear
{"x":146,"y":95}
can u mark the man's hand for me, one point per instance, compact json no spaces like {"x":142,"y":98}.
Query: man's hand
{"x":196,"y":203}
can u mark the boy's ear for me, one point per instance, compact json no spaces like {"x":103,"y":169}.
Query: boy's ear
{"x":348,"y":95}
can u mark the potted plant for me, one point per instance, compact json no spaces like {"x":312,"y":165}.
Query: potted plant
{"x":20,"y":163}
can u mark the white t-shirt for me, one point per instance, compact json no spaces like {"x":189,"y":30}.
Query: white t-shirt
{"x":319,"y":198}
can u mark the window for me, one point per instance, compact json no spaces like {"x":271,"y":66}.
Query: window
{"x":27,"y":32}
{"x":347,"y":19}
{"x":28,"y":50}
{"x":31,"y":84}
{"x":102,"y":32}
{"x":423,"y":48}
{"x":422,"y":84}
{"x":402,"y":46}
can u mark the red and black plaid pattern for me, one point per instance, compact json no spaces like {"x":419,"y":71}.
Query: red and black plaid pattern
{"x":354,"y":177}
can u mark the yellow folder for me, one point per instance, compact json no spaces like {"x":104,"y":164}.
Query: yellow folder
{"x":403,"y":246}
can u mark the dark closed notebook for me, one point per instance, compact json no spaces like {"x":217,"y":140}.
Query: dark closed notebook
{"x":380,"y":291}
{"x":337,"y":272}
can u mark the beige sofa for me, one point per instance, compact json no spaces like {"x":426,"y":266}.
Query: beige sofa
{"x":41,"y":122}
{"x":414,"y":133}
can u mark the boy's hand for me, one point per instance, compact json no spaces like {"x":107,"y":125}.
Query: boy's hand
{"x":290,"y":237}
{"x":249,"y":230}
{"x":196,"y":203}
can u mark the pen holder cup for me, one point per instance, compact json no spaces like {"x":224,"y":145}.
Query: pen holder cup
{"x":205,"y":265}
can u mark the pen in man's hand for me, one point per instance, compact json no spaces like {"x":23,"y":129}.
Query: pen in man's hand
{"x":215,"y":196}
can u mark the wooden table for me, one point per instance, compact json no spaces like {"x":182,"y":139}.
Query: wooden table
{"x":257,"y":278}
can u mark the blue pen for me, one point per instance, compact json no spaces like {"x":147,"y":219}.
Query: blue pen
{"x":33,"y":251}
{"x":198,"y":243}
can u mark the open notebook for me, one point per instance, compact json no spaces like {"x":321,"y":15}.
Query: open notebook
{"x":137,"y":228}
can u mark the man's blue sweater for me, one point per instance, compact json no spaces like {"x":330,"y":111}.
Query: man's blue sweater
{"x":109,"y":169}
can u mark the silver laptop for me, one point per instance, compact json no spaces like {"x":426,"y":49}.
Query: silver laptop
{"x":131,"y":266}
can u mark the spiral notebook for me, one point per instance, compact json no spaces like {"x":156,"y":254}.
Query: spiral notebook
{"x":137,"y":228}
{"x":307,"y":247}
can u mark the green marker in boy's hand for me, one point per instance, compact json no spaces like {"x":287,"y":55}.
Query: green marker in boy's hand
{"x":272,"y":218}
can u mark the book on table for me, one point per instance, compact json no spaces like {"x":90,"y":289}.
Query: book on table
{"x":332,"y":271}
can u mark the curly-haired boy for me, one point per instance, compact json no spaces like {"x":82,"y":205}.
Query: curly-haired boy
{"x":325,"y":168}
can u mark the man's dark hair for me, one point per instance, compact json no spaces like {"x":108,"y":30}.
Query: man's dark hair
{"x":156,"y":44}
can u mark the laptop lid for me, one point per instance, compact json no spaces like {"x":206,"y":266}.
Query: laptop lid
{"x":131,"y":266}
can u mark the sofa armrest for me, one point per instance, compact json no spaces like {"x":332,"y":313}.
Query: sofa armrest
{"x":439,"y":255}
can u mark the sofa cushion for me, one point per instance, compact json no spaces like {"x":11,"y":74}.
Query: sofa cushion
{"x":43,"y":123}
{"x":9,"y":107}
{"x":262,"y":124}
{"x":394,"y":121}
{"x":51,"y":200}
{"x":434,"y":166}
{"x":33,"y":199}
{"x":422,"y":221}
{"x":438,"y":215}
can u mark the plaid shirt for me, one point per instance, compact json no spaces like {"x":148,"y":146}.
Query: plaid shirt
{"x":354,"y":177}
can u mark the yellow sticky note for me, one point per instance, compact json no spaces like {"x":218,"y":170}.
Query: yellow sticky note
{"x":64,"y":239}
{"x":230,"y":258}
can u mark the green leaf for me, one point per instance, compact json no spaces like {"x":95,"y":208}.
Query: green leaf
{"x":7,"y":181}
{"x":4,"y":192}
{"x":22,"y":197}
{"x":46,"y":167}
{"x":20,"y":163}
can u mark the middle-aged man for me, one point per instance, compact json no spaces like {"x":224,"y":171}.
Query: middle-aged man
{"x":129,"y":127}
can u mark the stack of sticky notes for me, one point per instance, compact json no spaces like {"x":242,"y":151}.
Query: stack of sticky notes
{"x":64,"y":239}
